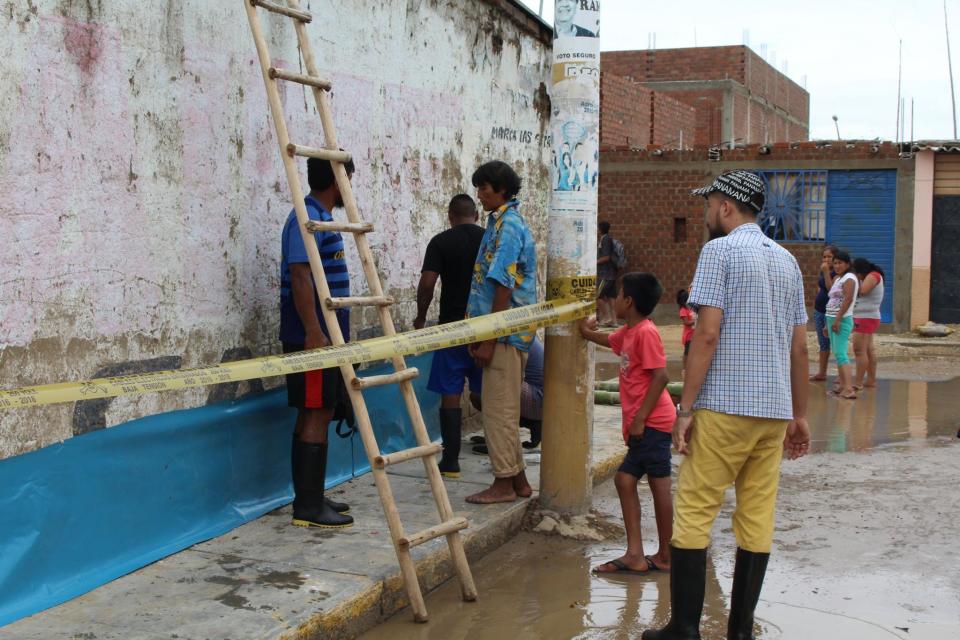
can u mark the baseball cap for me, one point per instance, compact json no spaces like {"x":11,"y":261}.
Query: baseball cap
{"x":743,"y":186}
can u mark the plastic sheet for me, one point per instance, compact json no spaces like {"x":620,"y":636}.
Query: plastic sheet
{"x":76,"y":515}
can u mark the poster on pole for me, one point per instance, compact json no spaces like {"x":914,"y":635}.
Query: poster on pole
{"x":575,"y":141}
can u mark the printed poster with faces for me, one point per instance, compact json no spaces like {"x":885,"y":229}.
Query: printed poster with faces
{"x":575,"y":102}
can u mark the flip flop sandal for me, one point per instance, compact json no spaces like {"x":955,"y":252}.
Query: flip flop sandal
{"x":653,"y":565}
{"x":622,"y":568}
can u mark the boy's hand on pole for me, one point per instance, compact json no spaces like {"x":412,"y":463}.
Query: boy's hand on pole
{"x":588,"y":324}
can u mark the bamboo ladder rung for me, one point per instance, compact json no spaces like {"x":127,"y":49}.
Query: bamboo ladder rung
{"x":378,"y":381}
{"x":333,"y":155}
{"x":339,"y":227}
{"x":359,"y":301}
{"x":442,"y":529}
{"x":383,"y":461}
{"x":302,"y":16}
{"x":300,"y":78}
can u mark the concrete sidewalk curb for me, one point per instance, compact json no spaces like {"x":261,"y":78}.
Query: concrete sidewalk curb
{"x":386,"y":597}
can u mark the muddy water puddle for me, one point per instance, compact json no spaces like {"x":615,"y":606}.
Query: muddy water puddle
{"x":840,"y":569}
{"x":536,"y":587}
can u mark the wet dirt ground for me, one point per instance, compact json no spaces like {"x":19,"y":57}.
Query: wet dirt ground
{"x":868,"y":528}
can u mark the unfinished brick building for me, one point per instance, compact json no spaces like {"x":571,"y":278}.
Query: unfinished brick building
{"x":701,"y":96}
{"x":876,"y":200}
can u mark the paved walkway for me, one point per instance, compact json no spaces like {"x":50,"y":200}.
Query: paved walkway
{"x":268,"y":579}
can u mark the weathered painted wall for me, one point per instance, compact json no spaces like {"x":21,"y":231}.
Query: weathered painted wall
{"x":143,"y":194}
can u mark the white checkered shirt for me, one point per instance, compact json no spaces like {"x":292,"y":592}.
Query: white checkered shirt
{"x":758,"y":286}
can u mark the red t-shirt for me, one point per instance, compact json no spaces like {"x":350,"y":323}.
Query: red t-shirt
{"x":641,"y":349}
{"x":687,"y":313}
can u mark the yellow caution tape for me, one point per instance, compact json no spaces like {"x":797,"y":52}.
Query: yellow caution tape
{"x":579,"y":287}
{"x":495,"y":325}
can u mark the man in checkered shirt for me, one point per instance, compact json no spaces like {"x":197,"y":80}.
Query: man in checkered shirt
{"x":744,"y":402}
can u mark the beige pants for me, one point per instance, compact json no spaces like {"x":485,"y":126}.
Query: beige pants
{"x":500,"y":397}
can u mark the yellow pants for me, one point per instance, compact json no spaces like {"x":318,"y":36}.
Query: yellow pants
{"x":724,"y":450}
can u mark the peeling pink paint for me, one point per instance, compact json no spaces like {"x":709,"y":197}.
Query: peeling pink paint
{"x":70,"y":132}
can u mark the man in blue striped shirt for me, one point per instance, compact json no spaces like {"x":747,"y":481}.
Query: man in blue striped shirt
{"x":315,"y":394}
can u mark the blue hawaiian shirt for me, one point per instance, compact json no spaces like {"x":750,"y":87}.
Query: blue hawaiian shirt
{"x":507,"y":257}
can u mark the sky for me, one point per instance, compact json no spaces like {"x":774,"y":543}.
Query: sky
{"x":845,"y":52}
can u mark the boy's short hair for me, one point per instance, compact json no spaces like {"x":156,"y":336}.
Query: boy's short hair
{"x":643,"y":288}
{"x":604,"y":227}
{"x":462,"y":206}
{"x":320,"y":173}
{"x":682,"y":296}
{"x":500,"y":176}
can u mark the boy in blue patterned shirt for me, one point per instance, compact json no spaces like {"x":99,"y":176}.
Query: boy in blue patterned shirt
{"x":504,"y":277}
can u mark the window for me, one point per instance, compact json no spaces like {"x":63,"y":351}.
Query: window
{"x":796,"y":206}
{"x":679,"y":229}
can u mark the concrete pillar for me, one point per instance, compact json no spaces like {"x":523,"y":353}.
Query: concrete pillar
{"x":565,"y":478}
{"x":922,"y":238}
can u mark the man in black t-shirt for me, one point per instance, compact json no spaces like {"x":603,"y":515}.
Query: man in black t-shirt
{"x":450,"y":257}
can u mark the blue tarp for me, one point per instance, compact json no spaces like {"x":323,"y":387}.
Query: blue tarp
{"x":76,"y":515}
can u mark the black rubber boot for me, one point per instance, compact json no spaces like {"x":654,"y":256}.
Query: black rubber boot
{"x":536,"y":429}
{"x":688,"y":578}
{"x":748,"y":576}
{"x":450,"y":420}
{"x":309,"y":464}
{"x":339,"y":507}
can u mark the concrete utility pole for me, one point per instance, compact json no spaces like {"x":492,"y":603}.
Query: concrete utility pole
{"x":566,"y":480}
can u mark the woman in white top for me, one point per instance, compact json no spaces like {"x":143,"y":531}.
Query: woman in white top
{"x":843,"y":297}
{"x":866,"y":320}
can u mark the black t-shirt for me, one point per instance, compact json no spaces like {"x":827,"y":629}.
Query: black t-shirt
{"x":452,"y":254}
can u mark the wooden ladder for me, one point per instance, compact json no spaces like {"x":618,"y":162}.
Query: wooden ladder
{"x":449,"y":525}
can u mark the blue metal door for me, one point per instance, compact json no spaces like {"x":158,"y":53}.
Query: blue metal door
{"x":861,"y":218}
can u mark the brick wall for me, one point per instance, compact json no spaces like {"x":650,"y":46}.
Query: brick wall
{"x":625,"y":111}
{"x":693,"y":63}
{"x":778,"y":109}
{"x":632,"y":115}
{"x":646,"y":198}
{"x":672,"y":120}
{"x":809,"y":256}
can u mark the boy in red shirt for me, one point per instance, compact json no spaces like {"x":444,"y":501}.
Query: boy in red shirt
{"x":648,"y":417}
{"x":689,"y":319}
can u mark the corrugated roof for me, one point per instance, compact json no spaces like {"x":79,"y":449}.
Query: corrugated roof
{"x":940,"y":146}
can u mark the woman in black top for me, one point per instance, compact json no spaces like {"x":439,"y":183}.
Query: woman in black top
{"x":824,"y":283}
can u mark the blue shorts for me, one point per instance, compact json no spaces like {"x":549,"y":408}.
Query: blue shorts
{"x":450,"y":368}
{"x":820,"y":321}
{"x":648,"y":455}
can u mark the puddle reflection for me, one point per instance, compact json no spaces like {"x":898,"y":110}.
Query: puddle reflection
{"x":894,"y":411}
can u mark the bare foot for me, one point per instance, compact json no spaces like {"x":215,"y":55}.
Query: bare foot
{"x":500,"y":491}
{"x":521,"y":486}
{"x":817,"y":377}
{"x":869,"y":384}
